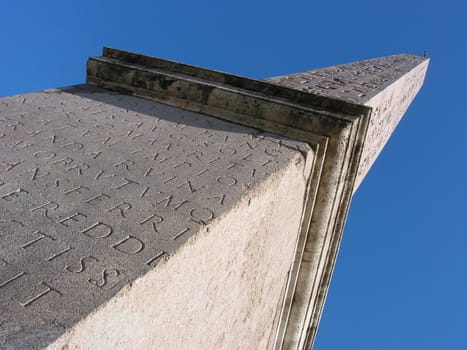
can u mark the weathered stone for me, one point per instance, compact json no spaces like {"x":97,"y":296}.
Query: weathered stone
{"x":99,"y":188}
{"x":387,"y":85}
{"x":129,"y":223}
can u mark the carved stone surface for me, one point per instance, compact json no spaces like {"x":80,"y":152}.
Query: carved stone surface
{"x":355,"y":82}
{"x":346,"y":135}
{"x":387,"y":84}
{"x":97,"y":188}
{"x":151,"y":224}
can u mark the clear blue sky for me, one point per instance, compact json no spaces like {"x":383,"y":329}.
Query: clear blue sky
{"x":400,"y":280}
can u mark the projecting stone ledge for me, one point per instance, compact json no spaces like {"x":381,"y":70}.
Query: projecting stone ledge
{"x":147,"y":223}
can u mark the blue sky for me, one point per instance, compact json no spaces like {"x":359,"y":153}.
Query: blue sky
{"x":400,"y":280}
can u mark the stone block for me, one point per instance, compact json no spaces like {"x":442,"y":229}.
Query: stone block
{"x":163,"y":205}
{"x":129,"y":224}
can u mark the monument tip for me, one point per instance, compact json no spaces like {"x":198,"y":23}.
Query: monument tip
{"x":386,"y":84}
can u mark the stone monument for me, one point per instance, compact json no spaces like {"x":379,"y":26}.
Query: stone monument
{"x":166,"y":206}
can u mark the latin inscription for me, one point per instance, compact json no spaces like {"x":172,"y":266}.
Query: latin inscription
{"x":354,"y":82}
{"x":96,"y":189}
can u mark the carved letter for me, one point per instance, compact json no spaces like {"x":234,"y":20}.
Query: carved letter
{"x":74,"y":146}
{"x":11,"y":165}
{"x":131,"y":136}
{"x":72,"y":217}
{"x":3,"y":284}
{"x":169,"y":179}
{"x":226,"y":180}
{"x":20,"y":145}
{"x":196,"y":154}
{"x":227,"y":150}
{"x":93,"y":155}
{"x":125,"y":163}
{"x":108,"y":230}
{"x":248,"y":145}
{"x":13,"y":194}
{"x":272,"y":152}
{"x":100,"y":195}
{"x":155,"y":219}
{"x":46,"y":155}
{"x":233,"y":164}
{"x":13,"y":221}
{"x":79,"y":168}
{"x":121,"y":207}
{"x":156,"y":257}
{"x":168,"y":201}
{"x":181,"y":233}
{"x":126,"y":183}
{"x":41,"y":236}
{"x":106,"y":273}
{"x":202,"y":172}
{"x":106,"y":141}
{"x":186,"y":164}
{"x":82,"y":265}
{"x":41,"y":294}
{"x":76,"y":189}
{"x":63,"y":161}
{"x":144,"y":193}
{"x":267,"y":162}
{"x":46,"y":207}
{"x":99,"y":174}
{"x":213,"y":160}
{"x":129,"y":245}
{"x":56,"y":255}
{"x":155,"y":156}
{"x":35,"y":174}
{"x":220,"y":197}
{"x":247,"y":157}
{"x":190,"y":186}
{"x":201,"y":216}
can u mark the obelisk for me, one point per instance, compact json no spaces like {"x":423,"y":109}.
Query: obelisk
{"x":167,"y":206}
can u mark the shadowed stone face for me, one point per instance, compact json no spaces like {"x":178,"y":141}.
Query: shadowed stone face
{"x":96,"y":189}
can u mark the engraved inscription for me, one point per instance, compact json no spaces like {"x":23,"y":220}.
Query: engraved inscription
{"x":96,"y":189}
{"x":353,"y":82}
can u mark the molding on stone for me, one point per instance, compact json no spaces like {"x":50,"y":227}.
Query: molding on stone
{"x":335,"y":129}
